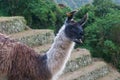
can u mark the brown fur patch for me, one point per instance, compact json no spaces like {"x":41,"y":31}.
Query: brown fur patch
{"x":20,"y":62}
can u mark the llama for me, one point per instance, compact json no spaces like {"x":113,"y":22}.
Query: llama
{"x":20,"y":62}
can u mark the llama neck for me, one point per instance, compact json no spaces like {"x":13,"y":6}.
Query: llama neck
{"x":59,"y":53}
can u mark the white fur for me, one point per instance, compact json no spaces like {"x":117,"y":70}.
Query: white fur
{"x":59,"y":53}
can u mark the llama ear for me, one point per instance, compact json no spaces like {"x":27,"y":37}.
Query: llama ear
{"x":70,"y":16}
{"x":83,"y":20}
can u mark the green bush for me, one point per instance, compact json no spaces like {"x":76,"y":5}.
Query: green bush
{"x":102,"y":31}
{"x":38,"y":13}
{"x":87,"y":9}
{"x":103,"y":38}
{"x":102,"y":7}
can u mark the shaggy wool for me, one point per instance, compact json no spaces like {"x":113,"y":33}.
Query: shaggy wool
{"x":20,"y":62}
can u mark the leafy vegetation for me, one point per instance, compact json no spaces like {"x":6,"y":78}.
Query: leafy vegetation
{"x":38,"y":13}
{"x":102,"y":30}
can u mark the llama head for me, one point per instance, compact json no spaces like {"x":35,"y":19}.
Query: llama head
{"x":74,"y":30}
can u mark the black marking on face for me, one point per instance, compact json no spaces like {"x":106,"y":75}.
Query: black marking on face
{"x":74,"y":30}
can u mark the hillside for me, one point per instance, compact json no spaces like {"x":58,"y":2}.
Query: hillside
{"x":73,"y":4}
{"x":81,"y":66}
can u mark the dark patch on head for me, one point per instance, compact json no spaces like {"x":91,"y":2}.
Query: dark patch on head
{"x":74,"y":30}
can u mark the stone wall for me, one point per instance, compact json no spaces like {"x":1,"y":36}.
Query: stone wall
{"x":94,"y":75}
{"x":38,"y":38}
{"x":10,"y":25}
{"x":78,"y":63}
